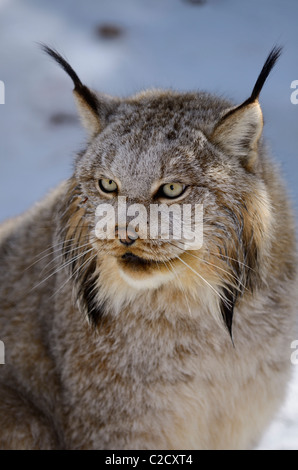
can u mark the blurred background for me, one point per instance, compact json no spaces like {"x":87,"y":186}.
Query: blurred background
{"x":120,"y":47}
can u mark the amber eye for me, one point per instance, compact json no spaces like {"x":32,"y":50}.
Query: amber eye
{"x":172,"y":190}
{"x":107,"y":186}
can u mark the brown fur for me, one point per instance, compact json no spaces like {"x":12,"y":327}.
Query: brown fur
{"x":105,"y":352}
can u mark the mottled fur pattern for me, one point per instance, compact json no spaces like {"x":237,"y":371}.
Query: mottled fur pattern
{"x":184,"y":349}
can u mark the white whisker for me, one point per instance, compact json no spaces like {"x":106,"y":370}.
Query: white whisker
{"x":62,"y":267}
{"x":217,"y":267}
{"x":51,"y":250}
{"x":64,"y":253}
{"x":203,"y":279}
{"x":219,"y":255}
{"x":182,"y":287}
{"x":74,"y":273}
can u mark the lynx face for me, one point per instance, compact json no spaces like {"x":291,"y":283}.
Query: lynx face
{"x":149,"y":169}
{"x":162,"y":147}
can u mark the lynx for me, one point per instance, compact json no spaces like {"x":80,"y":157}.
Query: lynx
{"x":140,"y":343}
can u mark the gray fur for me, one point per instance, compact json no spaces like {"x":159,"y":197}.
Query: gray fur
{"x":101,"y":354}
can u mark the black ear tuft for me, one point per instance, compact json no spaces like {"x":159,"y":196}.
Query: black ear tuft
{"x":267,"y":67}
{"x":238,"y":131}
{"x":81,"y":89}
{"x":63,"y":63}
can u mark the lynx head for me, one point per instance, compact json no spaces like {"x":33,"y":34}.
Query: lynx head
{"x":168,"y":148}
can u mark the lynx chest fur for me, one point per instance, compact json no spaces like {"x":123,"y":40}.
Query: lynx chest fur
{"x":121,"y":330}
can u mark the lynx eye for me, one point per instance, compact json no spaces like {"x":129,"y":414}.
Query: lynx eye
{"x":107,"y":186}
{"x":172,"y":190}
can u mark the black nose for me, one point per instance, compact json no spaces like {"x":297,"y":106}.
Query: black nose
{"x":126,"y":236}
{"x":127,"y":241}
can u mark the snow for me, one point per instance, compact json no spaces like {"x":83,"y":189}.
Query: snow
{"x":217,"y":45}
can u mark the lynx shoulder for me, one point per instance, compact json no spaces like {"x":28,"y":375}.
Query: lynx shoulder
{"x":118,"y":338}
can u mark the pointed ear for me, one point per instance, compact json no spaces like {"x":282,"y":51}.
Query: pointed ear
{"x":89,"y":114}
{"x":239,"y":129}
{"x":93,"y":108}
{"x":238,"y":132}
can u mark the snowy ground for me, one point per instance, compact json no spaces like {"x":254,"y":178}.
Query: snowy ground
{"x":216,"y":45}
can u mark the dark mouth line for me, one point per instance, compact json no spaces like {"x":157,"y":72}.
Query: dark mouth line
{"x":137,"y":260}
{"x":131,"y":258}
